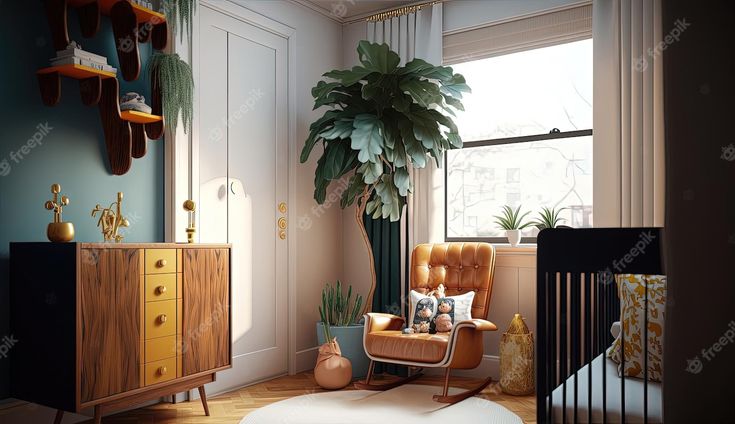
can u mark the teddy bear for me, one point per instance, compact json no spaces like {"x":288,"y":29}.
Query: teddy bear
{"x":443,"y":323}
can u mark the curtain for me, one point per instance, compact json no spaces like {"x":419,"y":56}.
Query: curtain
{"x":412,"y":35}
{"x":628,"y":113}
{"x":417,"y":34}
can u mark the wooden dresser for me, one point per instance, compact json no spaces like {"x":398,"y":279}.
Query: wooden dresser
{"x":112,"y":325}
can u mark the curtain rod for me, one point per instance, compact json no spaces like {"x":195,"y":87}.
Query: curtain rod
{"x":400,"y":11}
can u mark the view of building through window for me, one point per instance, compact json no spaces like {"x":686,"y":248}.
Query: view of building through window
{"x":510,"y":157}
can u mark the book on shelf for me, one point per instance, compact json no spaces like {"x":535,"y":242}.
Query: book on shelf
{"x":77,"y":61}
{"x":81,"y":54}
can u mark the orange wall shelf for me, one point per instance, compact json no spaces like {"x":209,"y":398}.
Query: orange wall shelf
{"x":139,"y":117}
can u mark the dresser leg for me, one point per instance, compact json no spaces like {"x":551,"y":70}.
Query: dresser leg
{"x":97,"y":414}
{"x":59,"y":416}
{"x":203,"y":395}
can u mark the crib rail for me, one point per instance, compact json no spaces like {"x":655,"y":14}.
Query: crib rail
{"x":577,"y":303}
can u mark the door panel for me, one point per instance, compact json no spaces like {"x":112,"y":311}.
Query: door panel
{"x":206,"y":314}
{"x":243,"y":177}
{"x":110,"y":294}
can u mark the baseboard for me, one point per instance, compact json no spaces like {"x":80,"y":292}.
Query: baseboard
{"x":305,"y":359}
{"x":489,"y":367}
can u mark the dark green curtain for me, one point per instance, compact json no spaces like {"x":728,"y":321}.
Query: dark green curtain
{"x":385,"y":238}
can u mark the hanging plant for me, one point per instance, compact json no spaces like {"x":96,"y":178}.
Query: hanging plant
{"x":180,"y":14}
{"x":173,"y":77}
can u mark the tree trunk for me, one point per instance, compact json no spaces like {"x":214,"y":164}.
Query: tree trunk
{"x":359,"y":213}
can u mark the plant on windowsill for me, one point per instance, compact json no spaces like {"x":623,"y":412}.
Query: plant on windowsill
{"x":511,"y":220}
{"x":383,"y":120}
{"x":548,"y":218}
{"x":340,"y":339}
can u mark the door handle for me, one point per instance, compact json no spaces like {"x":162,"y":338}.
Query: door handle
{"x":282,"y":221}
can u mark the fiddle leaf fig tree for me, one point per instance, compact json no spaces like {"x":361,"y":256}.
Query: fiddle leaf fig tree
{"x":382,"y":119}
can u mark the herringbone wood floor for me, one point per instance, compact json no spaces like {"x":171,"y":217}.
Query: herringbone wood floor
{"x":231,"y":407}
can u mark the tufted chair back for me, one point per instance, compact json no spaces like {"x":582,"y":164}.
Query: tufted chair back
{"x":461,"y":267}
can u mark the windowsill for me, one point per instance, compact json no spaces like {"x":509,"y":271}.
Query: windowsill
{"x":505,"y":248}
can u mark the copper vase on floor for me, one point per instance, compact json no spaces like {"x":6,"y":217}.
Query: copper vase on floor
{"x":332,"y":370}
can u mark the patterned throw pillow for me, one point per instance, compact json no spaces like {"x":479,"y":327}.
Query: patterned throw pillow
{"x":632,"y":293}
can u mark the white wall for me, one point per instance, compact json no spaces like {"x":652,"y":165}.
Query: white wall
{"x":315,"y":48}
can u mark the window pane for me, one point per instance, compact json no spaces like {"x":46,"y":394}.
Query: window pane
{"x":548,"y":173}
{"x":527,"y":93}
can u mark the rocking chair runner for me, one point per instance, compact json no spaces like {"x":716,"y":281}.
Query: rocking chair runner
{"x":461,"y":267}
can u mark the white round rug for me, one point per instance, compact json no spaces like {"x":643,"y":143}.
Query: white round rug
{"x":408,"y":402}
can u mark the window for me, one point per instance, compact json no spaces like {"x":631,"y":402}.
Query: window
{"x":527,"y":128}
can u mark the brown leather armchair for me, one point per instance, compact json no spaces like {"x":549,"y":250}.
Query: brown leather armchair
{"x":461,"y":267}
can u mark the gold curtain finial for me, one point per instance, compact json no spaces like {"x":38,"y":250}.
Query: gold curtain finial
{"x":405,"y":10}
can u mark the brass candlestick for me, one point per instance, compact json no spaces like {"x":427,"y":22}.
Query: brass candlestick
{"x":58,"y":231}
{"x":190,"y":207}
{"x":111,"y":220}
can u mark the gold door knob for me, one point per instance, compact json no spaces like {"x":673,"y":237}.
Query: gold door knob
{"x":162,"y":318}
{"x":282,"y":207}
{"x":282,"y":223}
{"x":161,"y":290}
{"x":161,"y":263}
{"x":162,"y":370}
{"x":282,"y":235}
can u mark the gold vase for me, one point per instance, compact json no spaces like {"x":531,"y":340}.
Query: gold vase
{"x":60,"y":232}
{"x":516,"y":359}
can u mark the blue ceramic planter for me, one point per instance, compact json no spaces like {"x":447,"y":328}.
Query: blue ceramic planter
{"x":350,"y":342}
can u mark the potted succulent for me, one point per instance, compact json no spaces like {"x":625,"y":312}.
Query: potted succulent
{"x":339,"y":315}
{"x":382,"y":120}
{"x":548,"y":218}
{"x":512,"y":222}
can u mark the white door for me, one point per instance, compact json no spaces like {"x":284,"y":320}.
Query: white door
{"x":243,"y":184}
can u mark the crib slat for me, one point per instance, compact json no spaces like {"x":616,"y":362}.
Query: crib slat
{"x":563,"y":342}
{"x":606,"y":313}
{"x":588,"y":327}
{"x":645,"y":353}
{"x":575,"y":342}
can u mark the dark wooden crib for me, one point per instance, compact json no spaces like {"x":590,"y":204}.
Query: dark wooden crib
{"x":577,"y":303}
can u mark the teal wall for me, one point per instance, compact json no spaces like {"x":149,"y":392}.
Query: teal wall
{"x":72,"y":154}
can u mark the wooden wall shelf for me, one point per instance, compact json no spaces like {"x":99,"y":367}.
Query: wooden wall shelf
{"x":126,"y":133}
{"x":131,"y":24}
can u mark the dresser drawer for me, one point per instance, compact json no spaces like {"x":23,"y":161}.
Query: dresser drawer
{"x":160,"y":261}
{"x":160,"y":348}
{"x":160,"y":371}
{"x":160,"y":319}
{"x":160,"y":287}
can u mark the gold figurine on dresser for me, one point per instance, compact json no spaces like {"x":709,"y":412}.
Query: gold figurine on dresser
{"x":58,"y":231}
{"x":111,"y":220}
{"x":131,"y":322}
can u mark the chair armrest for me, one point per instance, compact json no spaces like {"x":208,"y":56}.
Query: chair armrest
{"x":382,"y":322}
{"x":478,"y":325}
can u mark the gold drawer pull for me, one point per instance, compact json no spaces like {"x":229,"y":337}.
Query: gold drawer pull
{"x":161,"y":290}
{"x":162,"y":371}
{"x":162,"y":318}
{"x":161,"y":263}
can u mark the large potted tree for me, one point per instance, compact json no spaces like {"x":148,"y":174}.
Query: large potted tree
{"x":382,"y":119}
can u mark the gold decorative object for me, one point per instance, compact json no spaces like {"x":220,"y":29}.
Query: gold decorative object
{"x":516,"y":359}
{"x":58,"y":231}
{"x":111,"y":220}
{"x":190,"y":207}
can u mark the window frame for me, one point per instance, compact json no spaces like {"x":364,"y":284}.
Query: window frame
{"x":497,"y":142}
